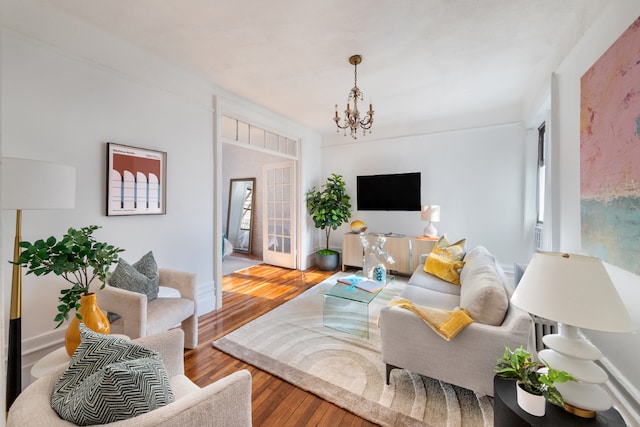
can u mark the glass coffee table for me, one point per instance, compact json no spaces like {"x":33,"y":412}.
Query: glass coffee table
{"x":346,"y":308}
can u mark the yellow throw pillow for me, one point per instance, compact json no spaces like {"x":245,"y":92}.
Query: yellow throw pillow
{"x":454,"y":251}
{"x":444,"y":268}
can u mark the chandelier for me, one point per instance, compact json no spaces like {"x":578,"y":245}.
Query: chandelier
{"x":352,"y":118}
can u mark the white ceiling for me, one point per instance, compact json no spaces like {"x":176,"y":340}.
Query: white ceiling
{"x":422,"y":59}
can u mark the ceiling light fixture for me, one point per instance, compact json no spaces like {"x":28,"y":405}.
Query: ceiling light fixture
{"x":352,"y":115}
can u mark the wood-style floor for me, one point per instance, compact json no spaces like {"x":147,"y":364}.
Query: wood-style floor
{"x":246,"y":296}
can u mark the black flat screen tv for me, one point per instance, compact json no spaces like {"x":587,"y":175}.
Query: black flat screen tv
{"x":393,"y":192}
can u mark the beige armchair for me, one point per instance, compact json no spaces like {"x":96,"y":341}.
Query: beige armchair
{"x":138,"y":318}
{"x":227,"y":402}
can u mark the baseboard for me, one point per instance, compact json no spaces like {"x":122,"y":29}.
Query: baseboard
{"x":35,"y":348}
{"x":206,"y":298}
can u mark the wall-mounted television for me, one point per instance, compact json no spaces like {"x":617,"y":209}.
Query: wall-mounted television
{"x":392,"y":192}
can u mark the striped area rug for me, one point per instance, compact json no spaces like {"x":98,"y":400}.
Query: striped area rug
{"x":291,"y":342}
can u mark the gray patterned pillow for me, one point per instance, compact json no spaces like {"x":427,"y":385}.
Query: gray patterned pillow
{"x":141,"y":277}
{"x":104,"y":367}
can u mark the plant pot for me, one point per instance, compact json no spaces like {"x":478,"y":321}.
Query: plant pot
{"x":92,"y":317}
{"x":327,"y":262}
{"x":530,"y":403}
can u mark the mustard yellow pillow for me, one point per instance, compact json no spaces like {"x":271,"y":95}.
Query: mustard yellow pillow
{"x":454,"y":251}
{"x":444,"y":268}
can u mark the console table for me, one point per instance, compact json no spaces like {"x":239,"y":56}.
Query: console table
{"x":405,"y":250}
{"x":507,"y":413}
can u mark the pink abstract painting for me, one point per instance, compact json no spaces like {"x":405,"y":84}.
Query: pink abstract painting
{"x":610,"y":153}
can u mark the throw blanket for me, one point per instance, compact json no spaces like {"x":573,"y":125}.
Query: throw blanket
{"x":445,"y":323}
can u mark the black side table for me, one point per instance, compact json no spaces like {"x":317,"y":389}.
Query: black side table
{"x":507,"y":413}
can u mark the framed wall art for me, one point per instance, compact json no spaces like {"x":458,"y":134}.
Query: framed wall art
{"x":610,"y":154}
{"x":136,"y":181}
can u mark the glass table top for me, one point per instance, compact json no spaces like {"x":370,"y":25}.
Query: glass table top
{"x":342,"y":290}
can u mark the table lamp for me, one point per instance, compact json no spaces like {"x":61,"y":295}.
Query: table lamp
{"x":28,"y":184}
{"x":577,"y":292}
{"x":430,"y":213}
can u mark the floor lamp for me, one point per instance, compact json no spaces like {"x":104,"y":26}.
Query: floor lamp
{"x":26,"y":185}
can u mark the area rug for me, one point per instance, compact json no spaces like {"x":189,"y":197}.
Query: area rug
{"x":232,"y":264}
{"x":291,"y":343}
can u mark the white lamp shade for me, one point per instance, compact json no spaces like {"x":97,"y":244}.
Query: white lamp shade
{"x":430,"y":213}
{"x":34,"y":184}
{"x":572,"y":289}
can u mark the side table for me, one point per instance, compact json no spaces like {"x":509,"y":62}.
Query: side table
{"x":507,"y":413}
{"x":54,"y":361}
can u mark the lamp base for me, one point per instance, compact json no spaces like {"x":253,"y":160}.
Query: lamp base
{"x":430,"y":230}
{"x":579,"y":412}
{"x":569,"y":352}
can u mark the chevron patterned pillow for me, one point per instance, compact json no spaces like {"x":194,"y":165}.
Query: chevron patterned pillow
{"x":140,"y":277}
{"x":110,"y":379}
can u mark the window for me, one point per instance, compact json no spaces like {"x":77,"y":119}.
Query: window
{"x":239,"y":131}
{"x":541,"y":175}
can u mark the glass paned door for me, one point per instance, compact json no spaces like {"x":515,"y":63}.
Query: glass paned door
{"x":279,"y":217}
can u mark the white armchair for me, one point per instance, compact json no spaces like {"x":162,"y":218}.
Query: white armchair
{"x":227,"y":402}
{"x":138,"y":318}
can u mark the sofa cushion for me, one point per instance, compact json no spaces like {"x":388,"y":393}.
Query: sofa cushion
{"x":454,"y":251}
{"x":482,"y":291}
{"x":140,"y":277}
{"x":430,"y":298}
{"x":444,"y":268}
{"x":110,"y":379}
{"x":422,"y":279}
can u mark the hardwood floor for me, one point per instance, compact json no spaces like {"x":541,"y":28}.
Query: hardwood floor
{"x":246,"y":296}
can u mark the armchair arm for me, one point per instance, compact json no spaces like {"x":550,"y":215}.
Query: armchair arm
{"x":225,"y":403}
{"x":183,"y":281}
{"x":131,"y":306}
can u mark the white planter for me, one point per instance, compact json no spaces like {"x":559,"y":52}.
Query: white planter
{"x":534,"y":405}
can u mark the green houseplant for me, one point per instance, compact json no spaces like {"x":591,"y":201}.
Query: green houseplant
{"x":329,"y":208}
{"x":531,"y":376}
{"x":79,"y":259}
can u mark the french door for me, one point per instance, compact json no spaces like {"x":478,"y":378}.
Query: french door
{"x":279,"y":225}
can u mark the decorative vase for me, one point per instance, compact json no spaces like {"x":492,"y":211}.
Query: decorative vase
{"x":92,"y":317}
{"x":375,"y":257}
{"x":530,"y":403}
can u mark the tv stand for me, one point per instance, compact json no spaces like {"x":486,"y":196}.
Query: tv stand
{"x":405,"y":250}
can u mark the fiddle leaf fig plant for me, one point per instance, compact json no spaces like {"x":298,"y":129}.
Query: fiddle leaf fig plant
{"x":330,"y":207}
{"x":534,"y":377}
{"x":77,"y":257}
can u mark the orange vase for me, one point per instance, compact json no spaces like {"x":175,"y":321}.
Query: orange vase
{"x":92,"y":317}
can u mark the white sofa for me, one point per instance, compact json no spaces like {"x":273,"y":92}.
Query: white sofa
{"x":227,"y":402}
{"x":468,"y":360}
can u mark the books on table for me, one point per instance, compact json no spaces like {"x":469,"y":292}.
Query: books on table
{"x":361,"y":282}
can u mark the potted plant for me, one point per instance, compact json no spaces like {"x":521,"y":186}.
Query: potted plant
{"x":329,"y":208}
{"x":532,"y":379}
{"x":79,"y":259}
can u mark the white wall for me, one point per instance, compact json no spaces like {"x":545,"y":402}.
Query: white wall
{"x":62,"y":102}
{"x":620,"y":350}
{"x":67,"y":89}
{"x":475,"y":175}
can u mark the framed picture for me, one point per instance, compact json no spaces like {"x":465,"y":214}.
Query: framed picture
{"x":136,"y":181}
